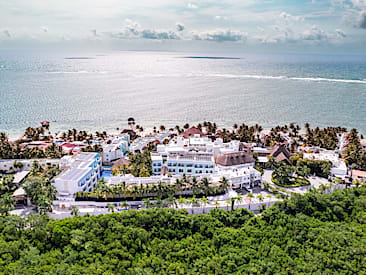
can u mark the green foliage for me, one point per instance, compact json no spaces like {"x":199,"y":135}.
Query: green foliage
{"x":310,"y":234}
{"x":14,"y":150}
{"x":324,"y":138}
{"x":354,"y":155}
{"x":39,"y":189}
{"x":320,"y":168}
{"x":141,"y":164}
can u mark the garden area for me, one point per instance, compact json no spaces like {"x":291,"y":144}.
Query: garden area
{"x":291,"y":176}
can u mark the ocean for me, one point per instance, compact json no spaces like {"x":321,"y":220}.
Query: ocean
{"x":101,"y":90}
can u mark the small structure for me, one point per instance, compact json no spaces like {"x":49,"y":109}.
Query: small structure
{"x":45,"y":124}
{"x":192,"y":131}
{"x":235,"y":159}
{"x":280,"y":153}
{"x":20,"y":196}
{"x":359,"y":175}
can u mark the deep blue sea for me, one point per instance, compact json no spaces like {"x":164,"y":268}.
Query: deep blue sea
{"x":100,"y":90}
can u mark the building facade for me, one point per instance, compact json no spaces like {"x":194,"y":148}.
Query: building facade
{"x":115,"y":147}
{"x":80,"y":173}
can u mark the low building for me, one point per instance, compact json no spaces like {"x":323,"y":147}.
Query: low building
{"x":358,"y":175}
{"x":192,"y":132}
{"x":280,"y":152}
{"x":363,"y":144}
{"x":140,"y":144}
{"x":80,"y":173}
{"x":115,"y":147}
{"x":339,"y":167}
{"x":238,"y":169}
{"x":240,"y":177}
{"x":7,"y":165}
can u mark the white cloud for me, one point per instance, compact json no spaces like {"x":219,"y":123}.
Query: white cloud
{"x":220,"y":36}
{"x":220,"y":17}
{"x":288,"y":17}
{"x":192,"y":6}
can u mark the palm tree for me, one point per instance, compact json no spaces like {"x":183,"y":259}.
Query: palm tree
{"x":232,"y":200}
{"x":74,"y":211}
{"x":147,"y":203}
{"x":125,"y":204}
{"x":228,"y":202}
{"x":111,"y":207}
{"x":250,"y":196}
{"x":182,"y":200}
{"x":193,"y":202}
{"x":224,"y":184}
{"x":6,"y":204}
{"x":239,"y":198}
{"x":204,"y":202}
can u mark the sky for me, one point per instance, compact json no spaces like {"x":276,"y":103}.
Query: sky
{"x":232,"y":25}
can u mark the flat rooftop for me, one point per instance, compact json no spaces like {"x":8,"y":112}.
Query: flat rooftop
{"x":73,"y":174}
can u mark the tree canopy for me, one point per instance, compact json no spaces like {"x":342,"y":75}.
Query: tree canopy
{"x":314,"y":233}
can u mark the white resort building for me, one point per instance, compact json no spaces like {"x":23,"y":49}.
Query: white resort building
{"x":80,"y":173}
{"x":115,"y":147}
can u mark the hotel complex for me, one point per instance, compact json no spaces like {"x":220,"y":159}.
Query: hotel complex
{"x":80,"y":173}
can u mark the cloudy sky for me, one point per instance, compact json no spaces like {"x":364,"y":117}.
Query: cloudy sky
{"x":294,"y":25}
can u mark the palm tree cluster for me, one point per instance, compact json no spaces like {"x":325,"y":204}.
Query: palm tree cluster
{"x":184,"y":186}
{"x":39,"y":189}
{"x":75,"y":135}
{"x":353,"y":154}
{"x":324,"y":138}
{"x":14,"y":150}
{"x":140,"y":163}
{"x":35,"y":134}
{"x":284,"y":174}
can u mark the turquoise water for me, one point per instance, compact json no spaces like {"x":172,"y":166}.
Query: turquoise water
{"x":100,"y":90}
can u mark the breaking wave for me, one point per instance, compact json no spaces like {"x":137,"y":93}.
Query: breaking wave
{"x":314,"y":79}
{"x":78,"y":72}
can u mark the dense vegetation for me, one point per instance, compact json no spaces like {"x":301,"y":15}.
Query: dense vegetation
{"x":14,"y":150}
{"x":315,"y":233}
{"x":37,"y":186}
{"x":320,"y":168}
{"x":185,"y":186}
{"x":324,"y":138}
{"x":354,"y":155}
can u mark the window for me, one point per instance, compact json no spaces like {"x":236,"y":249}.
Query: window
{"x":181,"y":170}
{"x":189,"y":171}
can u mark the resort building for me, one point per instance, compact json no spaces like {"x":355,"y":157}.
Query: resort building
{"x":115,"y":147}
{"x":358,"y":175}
{"x":189,"y":163}
{"x":140,"y":144}
{"x":363,"y":144}
{"x":280,"y":153}
{"x":238,"y":169}
{"x":80,"y":173}
{"x":339,"y":168}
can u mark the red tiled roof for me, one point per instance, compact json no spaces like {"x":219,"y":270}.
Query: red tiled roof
{"x":192,"y":131}
{"x":237,"y":158}
{"x":358,"y":173}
